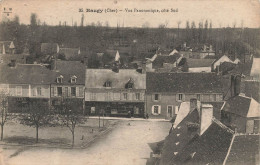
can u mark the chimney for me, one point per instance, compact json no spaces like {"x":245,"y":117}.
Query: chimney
{"x":206,"y":116}
{"x":194,"y":104}
{"x":53,"y":64}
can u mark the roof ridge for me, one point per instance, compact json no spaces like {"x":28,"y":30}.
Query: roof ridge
{"x":223,"y":126}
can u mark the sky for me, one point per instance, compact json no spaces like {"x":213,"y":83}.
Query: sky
{"x":221,"y":13}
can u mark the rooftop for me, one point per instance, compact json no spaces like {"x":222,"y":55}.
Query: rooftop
{"x":184,"y":82}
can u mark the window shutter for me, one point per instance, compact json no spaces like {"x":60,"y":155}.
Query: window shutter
{"x":77,"y":91}
{"x":55,"y":91}
{"x":183,"y":97}
{"x":52,"y":91}
{"x":81,"y":91}
{"x":153,"y":109}
{"x":159,"y":109}
{"x":159,"y":97}
{"x":34,"y":91}
{"x":142,"y":96}
{"x":69,"y":91}
{"x":43,"y":91}
{"x":177,"y":97}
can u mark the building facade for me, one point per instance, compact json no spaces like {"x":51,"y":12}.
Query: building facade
{"x":166,"y":91}
{"x":115,"y":93}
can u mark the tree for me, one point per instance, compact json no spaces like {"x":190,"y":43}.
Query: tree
{"x":71,"y":114}
{"x":3,"y":111}
{"x":37,"y":114}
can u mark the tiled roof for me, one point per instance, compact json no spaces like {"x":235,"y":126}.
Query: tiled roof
{"x":209,"y":148}
{"x":185,"y":147}
{"x":159,"y":60}
{"x":178,"y":139}
{"x":244,"y":150}
{"x":183,"y":82}
{"x":68,"y":69}
{"x":242,"y":106}
{"x":95,"y":78}
{"x":25,"y":74}
{"x":195,"y":63}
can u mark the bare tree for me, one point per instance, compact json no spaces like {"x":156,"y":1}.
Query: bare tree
{"x":3,"y":111}
{"x":71,"y":115}
{"x":37,"y":114}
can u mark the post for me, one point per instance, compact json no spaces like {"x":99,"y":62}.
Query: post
{"x":103,"y":118}
{"x":99,"y":118}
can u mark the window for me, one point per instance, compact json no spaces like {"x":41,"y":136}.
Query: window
{"x":198,"y":96}
{"x":73,"y":91}
{"x":108,"y":84}
{"x":59,"y":89}
{"x":213,"y":97}
{"x":59,"y":79}
{"x":125,"y":96}
{"x":156,"y":109}
{"x":130,"y":85}
{"x":137,"y":96}
{"x":93,"y":96}
{"x":156,"y":97}
{"x":39,"y":91}
{"x":73,"y":79}
{"x":19,"y":90}
{"x":180,"y":97}
{"x":170,"y":110}
{"x":66,"y":91}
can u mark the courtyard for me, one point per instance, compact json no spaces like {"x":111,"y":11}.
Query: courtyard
{"x":126,"y":143}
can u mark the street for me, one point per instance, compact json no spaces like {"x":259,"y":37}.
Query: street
{"x":127,"y":144}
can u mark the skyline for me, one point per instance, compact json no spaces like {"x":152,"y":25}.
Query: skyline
{"x":223,"y":13}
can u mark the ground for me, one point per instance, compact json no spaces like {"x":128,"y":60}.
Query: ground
{"x":126,"y":144}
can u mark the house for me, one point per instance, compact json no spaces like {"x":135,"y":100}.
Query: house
{"x":220,"y":60}
{"x":67,"y":81}
{"x":115,"y":93}
{"x":163,"y":61}
{"x":69,"y":52}
{"x":25,"y":82}
{"x":199,"y":65}
{"x":199,"y":138}
{"x":49,"y":48}
{"x":242,"y":114}
{"x":7,"y":47}
{"x":166,"y":91}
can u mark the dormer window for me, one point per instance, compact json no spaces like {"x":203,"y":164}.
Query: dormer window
{"x":108,"y":84}
{"x":130,"y":84}
{"x":73,"y":79}
{"x":59,"y":79}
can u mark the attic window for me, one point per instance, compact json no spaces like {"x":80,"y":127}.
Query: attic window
{"x":59,"y":79}
{"x":108,"y":84}
{"x":73,"y":79}
{"x":178,"y":134}
{"x":177,"y":143}
{"x":129,"y":84}
{"x":175,"y":153}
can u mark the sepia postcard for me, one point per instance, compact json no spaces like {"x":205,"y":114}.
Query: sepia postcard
{"x":129,"y":82}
